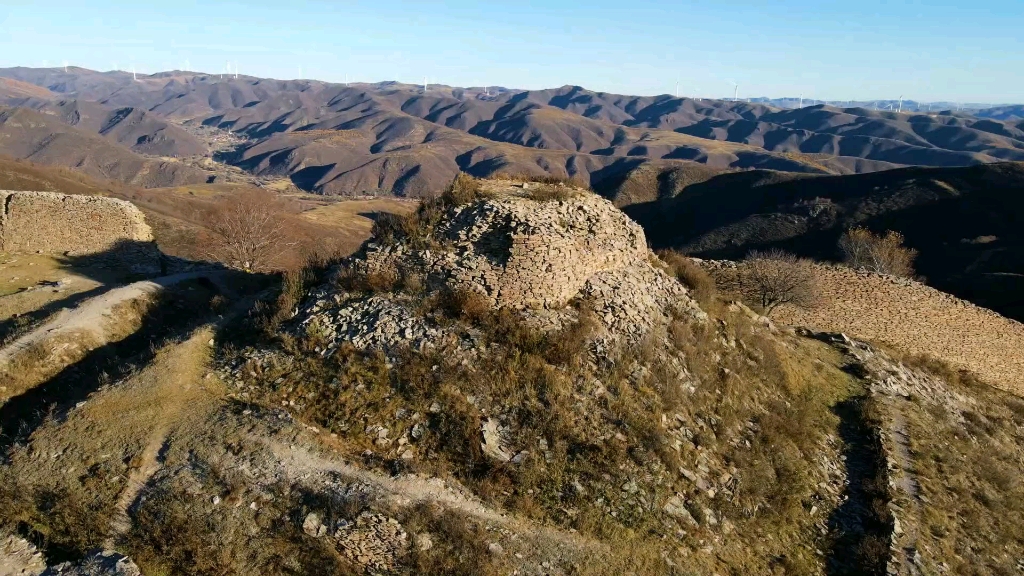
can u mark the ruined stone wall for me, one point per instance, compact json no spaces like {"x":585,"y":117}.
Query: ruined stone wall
{"x":56,"y":223}
{"x":525,"y":253}
{"x":915,"y":319}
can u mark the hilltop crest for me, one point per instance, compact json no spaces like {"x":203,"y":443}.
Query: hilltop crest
{"x":546,"y":251}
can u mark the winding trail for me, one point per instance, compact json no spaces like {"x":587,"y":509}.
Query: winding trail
{"x":88,"y":317}
{"x":911,"y":515}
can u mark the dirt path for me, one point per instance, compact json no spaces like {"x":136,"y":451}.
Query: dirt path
{"x":409,"y":490}
{"x":88,"y":318}
{"x":913,"y":511}
{"x":180,"y":369}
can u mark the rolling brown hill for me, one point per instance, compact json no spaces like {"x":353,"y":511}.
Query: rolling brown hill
{"x":43,"y":139}
{"x":141,"y":131}
{"x":12,"y":89}
{"x":965,"y":222}
{"x":398,"y":138}
{"x":16,"y":174}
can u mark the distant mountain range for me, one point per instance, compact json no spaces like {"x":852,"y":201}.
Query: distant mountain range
{"x":391,"y":138}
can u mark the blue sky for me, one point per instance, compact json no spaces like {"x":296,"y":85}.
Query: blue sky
{"x":868,"y":49}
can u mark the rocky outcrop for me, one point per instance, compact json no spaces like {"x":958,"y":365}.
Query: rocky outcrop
{"x":525,"y":253}
{"x":54,"y":223}
{"x":533,"y":256}
{"x":18,"y":557}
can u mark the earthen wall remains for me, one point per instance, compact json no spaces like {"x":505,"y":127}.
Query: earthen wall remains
{"x":54,"y":223}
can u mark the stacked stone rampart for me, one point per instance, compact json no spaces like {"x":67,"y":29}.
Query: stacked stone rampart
{"x":548,"y":259}
{"x":523,"y":253}
{"x":912,"y":318}
{"x":54,"y":223}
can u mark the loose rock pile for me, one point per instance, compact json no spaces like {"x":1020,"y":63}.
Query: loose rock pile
{"x":533,"y":256}
{"x":524,"y":253}
{"x":18,"y":557}
{"x":377,"y":322}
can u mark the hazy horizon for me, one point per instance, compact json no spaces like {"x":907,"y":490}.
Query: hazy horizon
{"x":873,"y":51}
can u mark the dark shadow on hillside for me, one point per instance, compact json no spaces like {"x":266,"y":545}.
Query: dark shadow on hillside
{"x":14,"y":325}
{"x":127,"y":261}
{"x":130,"y":261}
{"x":175,"y":312}
{"x":860,"y":527}
{"x":964,"y":222}
{"x":308,"y":177}
{"x":193,"y":293}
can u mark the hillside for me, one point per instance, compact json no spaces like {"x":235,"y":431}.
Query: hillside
{"x":16,"y":174}
{"x":505,"y":381}
{"x":43,"y":139}
{"x":963,"y":221}
{"x":136,"y":129}
{"x":1013,"y":113}
{"x":17,"y":90}
{"x":397,"y":139}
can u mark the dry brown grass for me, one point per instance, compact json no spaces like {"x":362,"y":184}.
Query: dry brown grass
{"x":775,"y":396}
{"x":174,"y":534}
{"x":68,"y":505}
{"x":700,"y":284}
{"x":547,"y":179}
{"x":18,"y":174}
{"x":42,"y":360}
{"x":969,"y":466}
{"x":551,"y":193}
{"x":417,"y":229}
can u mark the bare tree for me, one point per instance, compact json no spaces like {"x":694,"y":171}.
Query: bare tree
{"x":883,"y":254}
{"x":773,"y":278}
{"x":247,"y":230}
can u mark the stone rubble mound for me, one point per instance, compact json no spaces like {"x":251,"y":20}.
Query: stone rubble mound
{"x":535,"y":256}
{"x":525,"y":253}
{"x":374,"y":323}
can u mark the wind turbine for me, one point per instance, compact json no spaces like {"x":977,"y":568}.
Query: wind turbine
{"x":65,"y":66}
{"x":424,"y":84}
{"x":801,"y":100}
{"x":735,"y":91}
{"x":677,"y":88}
{"x":901,"y":105}
{"x":236,"y":70}
{"x":134,"y":77}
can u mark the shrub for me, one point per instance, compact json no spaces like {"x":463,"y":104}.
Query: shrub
{"x":773,"y":278}
{"x":374,"y":281}
{"x":463,"y":190}
{"x":574,"y":181}
{"x":462,"y":304}
{"x":247,"y":231}
{"x":696,"y":279}
{"x":550,"y":193}
{"x":883,"y":254}
{"x":418,"y":228}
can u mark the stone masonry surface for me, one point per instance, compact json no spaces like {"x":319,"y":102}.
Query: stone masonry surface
{"x":915,"y":319}
{"x":524,"y":253}
{"x":533,"y":256}
{"x":51,"y":222}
